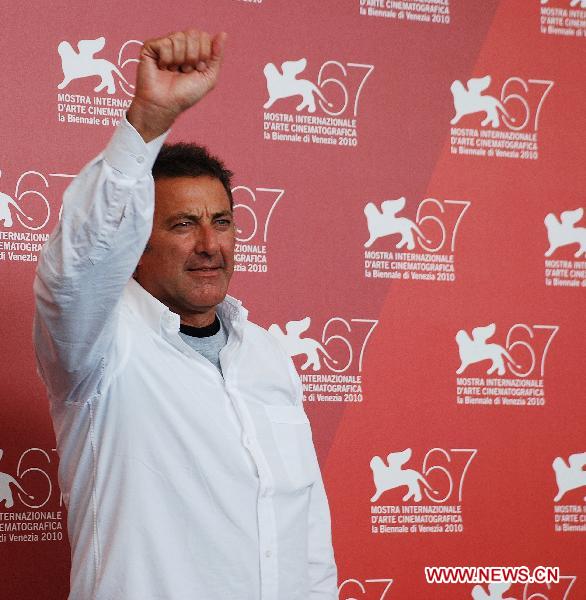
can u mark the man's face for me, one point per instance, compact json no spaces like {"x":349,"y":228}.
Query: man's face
{"x":189,"y":259}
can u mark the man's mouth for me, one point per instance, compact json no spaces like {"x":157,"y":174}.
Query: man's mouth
{"x":204,"y":269}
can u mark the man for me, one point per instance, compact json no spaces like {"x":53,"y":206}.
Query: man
{"x":184,"y":480}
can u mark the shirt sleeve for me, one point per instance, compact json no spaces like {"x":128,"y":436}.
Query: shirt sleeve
{"x":88,"y":260}
{"x":323,"y":575}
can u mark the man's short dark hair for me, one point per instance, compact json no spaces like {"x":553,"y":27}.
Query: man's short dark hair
{"x":191,"y":160}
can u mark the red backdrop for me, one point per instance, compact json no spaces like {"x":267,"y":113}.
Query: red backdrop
{"x":452,"y":338}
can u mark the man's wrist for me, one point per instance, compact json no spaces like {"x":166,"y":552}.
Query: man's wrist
{"x":128,"y":153}
{"x":149,"y":121}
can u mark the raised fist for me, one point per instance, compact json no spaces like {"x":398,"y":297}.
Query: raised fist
{"x":174,"y":73}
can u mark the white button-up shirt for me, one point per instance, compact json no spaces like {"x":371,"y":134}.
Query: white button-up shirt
{"x":180,"y":484}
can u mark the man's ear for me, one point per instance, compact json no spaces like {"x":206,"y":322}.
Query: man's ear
{"x":146,"y":249}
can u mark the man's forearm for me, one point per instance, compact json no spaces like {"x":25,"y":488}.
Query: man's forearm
{"x":150,"y":122}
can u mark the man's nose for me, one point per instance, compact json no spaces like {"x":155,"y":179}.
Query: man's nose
{"x":207,"y":241}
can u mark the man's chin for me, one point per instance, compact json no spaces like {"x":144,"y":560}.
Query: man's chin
{"x":206,"y":298}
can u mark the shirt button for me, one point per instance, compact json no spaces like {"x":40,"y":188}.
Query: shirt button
{"x":268,"y":554}
{"x":140,"y":159}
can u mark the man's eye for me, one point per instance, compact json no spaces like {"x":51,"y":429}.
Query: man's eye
{"x":182,"y":224}
{"x":224,"y":221}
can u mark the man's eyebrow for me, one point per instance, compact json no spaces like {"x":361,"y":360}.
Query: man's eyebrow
{"x":222,"y":213}
{"x":187,"y":216}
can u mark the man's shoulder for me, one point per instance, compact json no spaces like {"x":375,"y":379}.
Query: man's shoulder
{"x":231,"y":308}
{"x":270,"y":361}
{"x":262,"y":336}
{"x":270,"y":345}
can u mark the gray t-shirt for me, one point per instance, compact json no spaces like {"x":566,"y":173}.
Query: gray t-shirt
{"x":208,"y":341}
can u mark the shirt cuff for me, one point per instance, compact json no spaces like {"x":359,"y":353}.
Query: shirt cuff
{"x":129,"y":154}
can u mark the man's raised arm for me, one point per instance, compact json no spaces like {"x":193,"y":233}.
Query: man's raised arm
{"x":107,"y":216}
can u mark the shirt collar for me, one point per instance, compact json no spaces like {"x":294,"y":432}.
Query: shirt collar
{"x":158,"y":316}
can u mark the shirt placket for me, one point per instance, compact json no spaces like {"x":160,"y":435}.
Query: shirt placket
{"x":267,"y":524}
